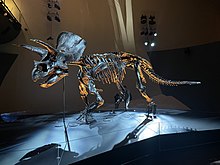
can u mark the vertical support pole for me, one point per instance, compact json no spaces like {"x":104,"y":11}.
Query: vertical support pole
{"x":159,"y":134}
{"x":64,"y":115}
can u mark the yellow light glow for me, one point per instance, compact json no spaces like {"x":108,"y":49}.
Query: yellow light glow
{"x":13,"y":8}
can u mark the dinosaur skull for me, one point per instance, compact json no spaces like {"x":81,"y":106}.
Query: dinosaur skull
{"x":53,"y":65}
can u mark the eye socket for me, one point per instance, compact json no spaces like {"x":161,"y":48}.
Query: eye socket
{"x":42,"y":67}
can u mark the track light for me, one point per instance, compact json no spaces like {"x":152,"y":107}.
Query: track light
{"x":148,"y":31}
{"x":145,"y":43}
{"x":151,"y":20}
{"x":49,"y":4}
{"x":52,"y":3}
{"x":49,"y":16}
{"x":57,"y":18}
{"x":53,"y":11}
{"x":152,"y":44}
{"x":143,"y":19}
{"x":145,"y":31}
{"x":57,"y":5}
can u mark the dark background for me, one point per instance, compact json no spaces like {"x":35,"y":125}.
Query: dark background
{"x":198,"y":63}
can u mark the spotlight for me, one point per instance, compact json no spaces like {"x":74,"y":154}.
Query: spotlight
{"x":57,"y":18}
{"x":152,"y":44}
{"x":145,"y":31}
{"x":52,"y":15}
{"x":143,"y":19}
{"x":49,"y":4}
{"x":57,"y":5}
{"x":145,"y":43}
{"x":49,"y":16}
{"x":152,"y":17}
{"x":155,"y":34}
{"x":151,"y":20}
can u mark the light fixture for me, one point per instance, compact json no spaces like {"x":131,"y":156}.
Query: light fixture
{"x":151,"y":20}
{"x":49,"y":4}
{"x":148,"y":30}
{"x":152,"y":44}
{"x":144,"y":32}
{"x":53,"y":11}
{"x":49,"y":16}
{"x":57,"y":5}
{"x":57,"y":18}
{"x":143,"y":19}
{"x":53,"y":3}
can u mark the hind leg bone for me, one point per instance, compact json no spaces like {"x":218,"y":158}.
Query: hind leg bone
{"x":139,"y":85}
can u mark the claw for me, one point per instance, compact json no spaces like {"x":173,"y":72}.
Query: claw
{"x":85,"y":117}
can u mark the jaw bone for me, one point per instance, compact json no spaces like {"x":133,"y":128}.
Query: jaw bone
{"x":53,"y":79}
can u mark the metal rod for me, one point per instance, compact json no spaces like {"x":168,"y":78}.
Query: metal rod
{"x":64,"y":115}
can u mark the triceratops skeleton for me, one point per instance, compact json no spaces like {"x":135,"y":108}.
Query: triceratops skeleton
{"x":106,"y":67}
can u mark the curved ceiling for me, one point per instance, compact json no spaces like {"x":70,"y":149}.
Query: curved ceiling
{"x":112,"y":25}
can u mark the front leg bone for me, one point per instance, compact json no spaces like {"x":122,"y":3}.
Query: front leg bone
{"x":86,"y":113}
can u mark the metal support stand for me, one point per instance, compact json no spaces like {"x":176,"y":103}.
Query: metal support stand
{"x":64,"y":116}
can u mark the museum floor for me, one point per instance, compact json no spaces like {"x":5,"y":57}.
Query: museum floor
{"x":41,"y":139}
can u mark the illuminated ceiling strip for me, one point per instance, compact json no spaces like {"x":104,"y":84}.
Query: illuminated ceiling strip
{"x":130,"y":25}
{"x":123,"y":32}
{"x":121,"y":24}
{"x":118,"y":44}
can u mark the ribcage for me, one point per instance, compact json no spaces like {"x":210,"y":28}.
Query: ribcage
{"x":106,"y":67}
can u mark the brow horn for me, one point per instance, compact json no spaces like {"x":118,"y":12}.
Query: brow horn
{"x":42,"y":52}
{"x":50,"y":49}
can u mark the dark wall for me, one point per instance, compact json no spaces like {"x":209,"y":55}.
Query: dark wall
{"x":198,"y":63}
{"x":6,"y":61}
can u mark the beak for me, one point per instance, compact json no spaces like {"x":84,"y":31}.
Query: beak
{"x":53,"y":79}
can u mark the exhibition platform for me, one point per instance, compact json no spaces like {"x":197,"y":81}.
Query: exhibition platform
{"x":43,"y":139}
